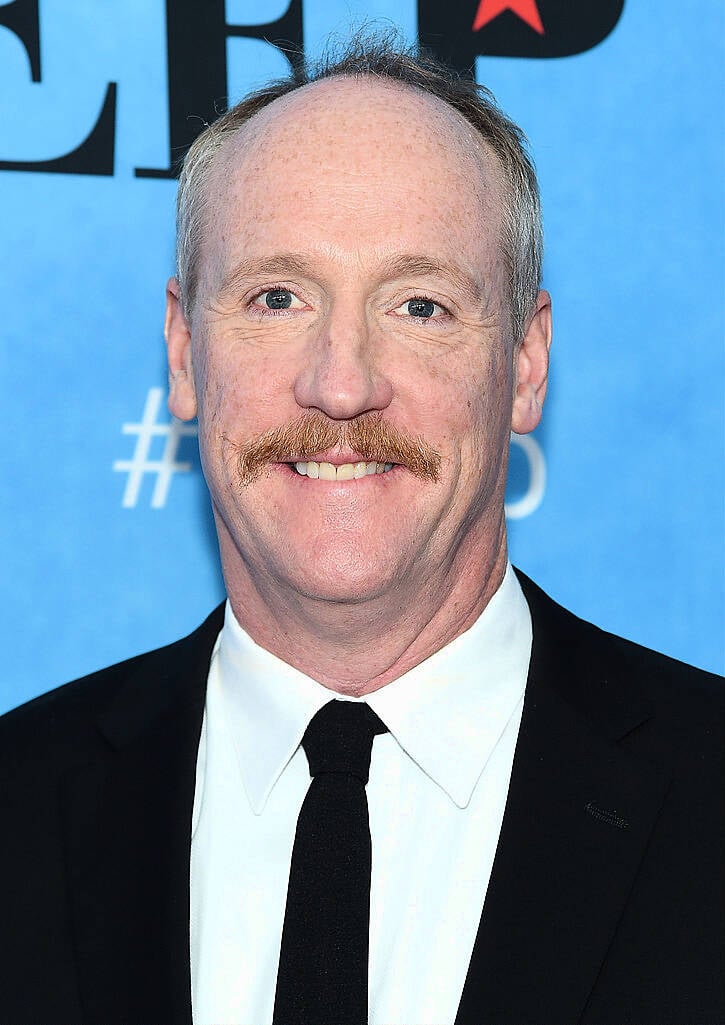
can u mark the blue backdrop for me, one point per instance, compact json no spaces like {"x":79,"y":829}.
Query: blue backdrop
{"x":615,"y":505}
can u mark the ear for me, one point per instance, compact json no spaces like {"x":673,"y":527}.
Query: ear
{"x":531,"y":365}
{"x":177,"y":332}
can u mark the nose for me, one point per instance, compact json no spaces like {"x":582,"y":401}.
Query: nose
{"x":341,"y":376}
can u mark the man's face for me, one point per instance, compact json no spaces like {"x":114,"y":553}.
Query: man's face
{"x":351,"y":279}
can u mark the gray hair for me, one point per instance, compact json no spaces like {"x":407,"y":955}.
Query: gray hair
{"x":379,"y":56}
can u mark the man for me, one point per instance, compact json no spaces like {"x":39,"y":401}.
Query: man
{"x":357,"y":323}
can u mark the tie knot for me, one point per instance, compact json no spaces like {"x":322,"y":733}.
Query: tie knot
{"x":339,"y":738}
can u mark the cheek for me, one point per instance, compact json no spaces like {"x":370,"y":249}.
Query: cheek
{"x":471,"y":402}
{"x":480,"y":431}
{"x":241,"y":395}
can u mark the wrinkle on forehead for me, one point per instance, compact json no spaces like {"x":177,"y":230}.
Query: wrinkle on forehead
{"x":336,"y":108}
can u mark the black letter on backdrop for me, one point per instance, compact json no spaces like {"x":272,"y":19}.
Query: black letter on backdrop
{"x":568,"y":28}
{"x":21,"y":17}
{"x":196,"y":34}
{"x":95,"y":154}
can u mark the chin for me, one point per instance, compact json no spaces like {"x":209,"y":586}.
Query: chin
{"x":342,"y":582}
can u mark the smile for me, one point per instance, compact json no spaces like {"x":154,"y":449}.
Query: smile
{"x":346,"y":471}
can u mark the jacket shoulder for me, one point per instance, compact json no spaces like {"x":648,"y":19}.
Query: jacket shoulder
{"x":66,"y":716}
{"x":640,"y":698}
{"x":608,"y":656}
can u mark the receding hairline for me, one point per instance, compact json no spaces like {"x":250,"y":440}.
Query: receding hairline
{"x":470,"y":139}
{"x":231,"y":149}
{"x":488,"y":139}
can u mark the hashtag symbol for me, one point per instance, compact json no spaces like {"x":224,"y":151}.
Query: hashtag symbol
{"x":141,"y":464}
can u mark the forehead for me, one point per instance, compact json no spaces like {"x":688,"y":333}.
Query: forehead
{"x":383,"y":158}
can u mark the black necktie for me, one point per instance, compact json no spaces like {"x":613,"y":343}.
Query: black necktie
{"x":323,"y":965}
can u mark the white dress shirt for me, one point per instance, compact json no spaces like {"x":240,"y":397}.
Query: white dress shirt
{"x":436,"y":796}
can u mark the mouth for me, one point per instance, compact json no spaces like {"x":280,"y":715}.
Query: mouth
{"x":343,"y":471}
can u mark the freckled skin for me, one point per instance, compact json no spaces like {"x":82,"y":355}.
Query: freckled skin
{"x":356,"y":583}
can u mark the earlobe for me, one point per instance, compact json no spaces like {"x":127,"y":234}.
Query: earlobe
{"x":177,"y":332}
{"x":532,"y":368}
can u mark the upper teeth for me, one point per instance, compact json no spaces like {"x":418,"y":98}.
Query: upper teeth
{"x":346,"y":471}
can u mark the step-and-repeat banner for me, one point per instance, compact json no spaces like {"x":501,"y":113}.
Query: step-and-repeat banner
{"x":614,"y":504}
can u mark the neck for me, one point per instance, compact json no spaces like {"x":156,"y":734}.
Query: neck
{"x":358,"y":647}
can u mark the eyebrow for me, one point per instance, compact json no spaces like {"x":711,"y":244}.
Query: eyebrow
{"x":405,"y":265}
{"x":424,"y":266}
{"x":273,"y":266}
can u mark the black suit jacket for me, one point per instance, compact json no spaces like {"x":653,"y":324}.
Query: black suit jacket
{"x":605,"y":901}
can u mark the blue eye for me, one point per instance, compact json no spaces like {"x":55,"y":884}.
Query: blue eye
{"x":422,"y":308}
{"x":277,"y":299}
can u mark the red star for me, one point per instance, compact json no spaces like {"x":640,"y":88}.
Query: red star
{"x":524,"y":9}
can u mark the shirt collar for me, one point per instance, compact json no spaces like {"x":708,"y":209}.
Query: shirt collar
{"x":447,"y":713}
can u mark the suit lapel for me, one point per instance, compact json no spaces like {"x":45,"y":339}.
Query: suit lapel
{"x":128,"y":827}
{"x":579,"y":812}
